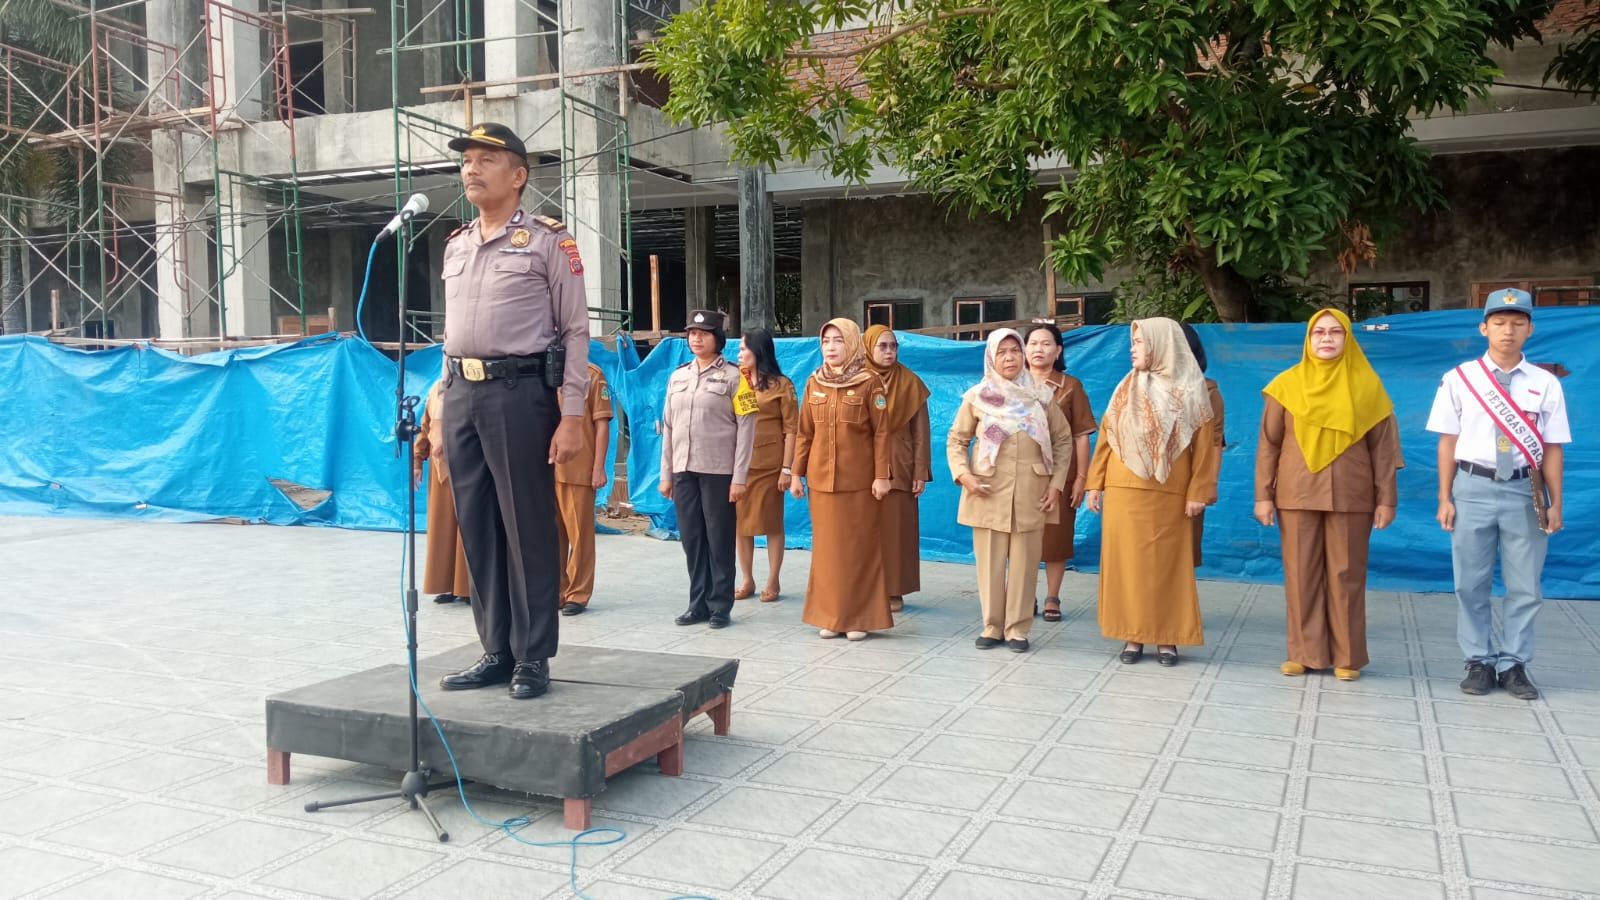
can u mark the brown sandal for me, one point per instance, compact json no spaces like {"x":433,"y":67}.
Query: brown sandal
{"x":744,"y":593}
{"x":768,"y":596}
{"x":1052,"y":613}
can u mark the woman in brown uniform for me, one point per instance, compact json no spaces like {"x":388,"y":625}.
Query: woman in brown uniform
{"x":843,"y":454}
{"x":1150,"y":476}
{"x":1214,"y":396}
{"x":1010,"y":449}
{"x":1325,"y":470}
{"x":1047,"y":365}
{"x":761,"y":510}
{"x":444,"y":574}
{"x":910,"y":469}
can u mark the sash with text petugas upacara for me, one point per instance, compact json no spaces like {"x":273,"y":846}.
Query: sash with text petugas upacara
{"x":1517,"y":427}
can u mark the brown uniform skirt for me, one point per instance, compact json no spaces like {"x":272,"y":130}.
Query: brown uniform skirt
{"x":445,"y":568}
{"x":761,"y":510}
{"x":902,"y":550}
{"x":1058,"y":538}
{"x":1147,"y":589}
{"x":846,"y":590}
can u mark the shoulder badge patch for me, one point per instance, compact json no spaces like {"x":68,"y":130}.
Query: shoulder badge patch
{"x":458,"y":231}
{"x":570,"y":248}
{"x":521,"y":237}
{"x":605,"y":393}
{"x":552,"y":224}
{"x":880,"y":402}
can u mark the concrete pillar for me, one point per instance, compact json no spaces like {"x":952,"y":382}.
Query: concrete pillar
{"x":755,"y":250}
{"x":237,"y":75}
{"x":818,"y":265}
{"x":595,"y":39}
{"x":595,"y":213}
{"x":336,"y":63}
{"x":341,"y":277}
{"x":244,"y":262}
{"x":700,"y":257}
{"x":506,"y":56}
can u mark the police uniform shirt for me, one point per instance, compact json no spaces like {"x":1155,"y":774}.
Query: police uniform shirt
{"x":700,"y":432}
{"x":515,"y":293}
{"x":1456,"y":411}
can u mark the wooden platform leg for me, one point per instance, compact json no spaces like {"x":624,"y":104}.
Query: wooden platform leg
{"x":577,"y":813}
{"x":277,"y":767}
{"x":671,"y":759}
{"x":721,"y":714}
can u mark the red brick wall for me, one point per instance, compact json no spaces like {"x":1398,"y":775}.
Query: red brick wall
{"x":1566,"y":15}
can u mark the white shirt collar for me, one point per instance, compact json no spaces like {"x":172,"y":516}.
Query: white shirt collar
{"x":1523,"y":366}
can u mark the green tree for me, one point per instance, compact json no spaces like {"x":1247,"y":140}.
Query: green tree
{"x":1577,"y":64}
{"x":1214,"y":143}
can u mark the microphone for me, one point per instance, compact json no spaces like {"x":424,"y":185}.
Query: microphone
{"x":418,"y":203}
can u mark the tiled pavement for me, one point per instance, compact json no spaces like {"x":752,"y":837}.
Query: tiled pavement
{"x":134,"y":659}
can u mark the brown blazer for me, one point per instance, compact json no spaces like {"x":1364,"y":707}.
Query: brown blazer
{"x":1074,"y":403}
{"x":777,"y":418}
{"x":1192,"y":473}
{"x":1017,"y":481}
{"x":596,"y":408}
{"x":1360,"y":479}
{"x":842,"y":444}
{"x":911,"y":453}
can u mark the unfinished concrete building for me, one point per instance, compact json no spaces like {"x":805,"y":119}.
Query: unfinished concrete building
{"x":234,"y":161}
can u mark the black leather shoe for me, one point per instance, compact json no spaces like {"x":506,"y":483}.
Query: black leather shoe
{"x":530,"y":679}
{"x":1479,"y":680}
{"x":1020,"y":645}
{"x":690,"y":617}
{"x":1515,"y":681}
{"x":720,"y":620}
{"x":444,"y":598}
{"x":1167,"y":658}
{"x":572,"y":609}
{"x":986,"y":643}
{"x":490,"y":669}
{"x":1129,"y":657}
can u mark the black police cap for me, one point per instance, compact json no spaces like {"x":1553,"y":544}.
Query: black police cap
{"x":705,"y":320}
{"x":491,"y":134}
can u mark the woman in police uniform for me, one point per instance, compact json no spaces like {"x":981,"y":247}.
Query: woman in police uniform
{"x":706,"y":445}
{"x":843,"y":452}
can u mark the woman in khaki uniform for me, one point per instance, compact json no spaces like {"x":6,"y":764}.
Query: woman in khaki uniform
{"x":777,"y":420}
{"x":1214,"y":397}
{"x":1150,"y":475}
{"x":577,"y":482}
{"x":1047,"y":365}
{"x":1325,"y":471}
{"x":843,"y":453}
{"x":444,"y":571}
{"x":1010,"y":449}
{"x":909,"y":470}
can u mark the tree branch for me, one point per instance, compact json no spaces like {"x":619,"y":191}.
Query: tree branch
{"x":891,"y":35}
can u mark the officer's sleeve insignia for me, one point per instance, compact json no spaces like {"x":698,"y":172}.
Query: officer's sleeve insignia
{"x":605,"y":393}
{"x":570,"y":248}
{"x":744,"y":399}
{"x":880,"y":402}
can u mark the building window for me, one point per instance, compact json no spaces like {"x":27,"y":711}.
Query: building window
{"x":1087,"y":308}
{"x":898,"y":315}
{"x":1545,"y":291}
{"x":1386,"y":298}
{"x":979,"y":310}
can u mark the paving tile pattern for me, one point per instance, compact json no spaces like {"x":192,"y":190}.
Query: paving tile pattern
{"x":134,"y":659}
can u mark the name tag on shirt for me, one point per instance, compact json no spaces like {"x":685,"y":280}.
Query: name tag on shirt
{"x":516,"y":249}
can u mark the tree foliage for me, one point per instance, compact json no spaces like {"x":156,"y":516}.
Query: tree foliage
{"x":1213,"y":143}
{"x":1577,"y":63}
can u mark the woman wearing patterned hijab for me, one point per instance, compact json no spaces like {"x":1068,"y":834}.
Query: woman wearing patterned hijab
{"x":843,"y":454}
{"x":1325,"y":472}
{"x":910,"y":469}
{"x":1010,"y":449}
{"x":1150,"y":475}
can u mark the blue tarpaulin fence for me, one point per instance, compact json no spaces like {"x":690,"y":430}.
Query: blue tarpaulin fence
{"x":145,"y":433}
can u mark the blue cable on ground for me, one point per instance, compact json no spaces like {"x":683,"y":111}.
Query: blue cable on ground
{"x":361,"y":301}
{"x":511,"y":825}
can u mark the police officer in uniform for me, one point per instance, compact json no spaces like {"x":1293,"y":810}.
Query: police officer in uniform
{"x":516,"y":373}
{"x":708,"y":430}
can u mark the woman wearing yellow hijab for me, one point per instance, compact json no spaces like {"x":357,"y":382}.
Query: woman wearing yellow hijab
{"x":1325,"y":473}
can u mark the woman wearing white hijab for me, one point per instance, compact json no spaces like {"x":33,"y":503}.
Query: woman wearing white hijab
{"x":1150,"y":475}
{"x":1010,"y":449}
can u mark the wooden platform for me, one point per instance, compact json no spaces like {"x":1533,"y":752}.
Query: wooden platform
{"x":565,"y":744}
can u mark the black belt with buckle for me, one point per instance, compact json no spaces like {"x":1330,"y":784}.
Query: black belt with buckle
{"x":491,"y":369}
{"x":1488,"y":471}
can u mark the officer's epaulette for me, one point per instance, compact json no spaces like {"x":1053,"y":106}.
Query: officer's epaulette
{"x":552,"y":224}
{"x":452,"y":234}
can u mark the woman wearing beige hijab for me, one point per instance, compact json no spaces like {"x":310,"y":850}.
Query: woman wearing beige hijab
{"x":1150,"y":475}
{"x":843,"y":453}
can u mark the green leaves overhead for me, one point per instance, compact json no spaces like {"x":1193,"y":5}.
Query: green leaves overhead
{"x":1244,"y":135}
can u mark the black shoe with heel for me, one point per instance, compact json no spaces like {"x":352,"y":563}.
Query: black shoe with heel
{"x":530,"y":679}
{"x":490,"y":669}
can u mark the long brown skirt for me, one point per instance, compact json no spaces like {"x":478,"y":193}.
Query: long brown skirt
{"x":761,"y":510}
{"x":846,"y":590}
{"x":444,"y":570}
{"x":902,"y":549}
{"x":1147,"y":589}
{"x":1199,"y":537}
{"x":1058,"y":538}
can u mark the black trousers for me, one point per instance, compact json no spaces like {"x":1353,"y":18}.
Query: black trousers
{"x":497,"y":440}
{"x":707,"y":526}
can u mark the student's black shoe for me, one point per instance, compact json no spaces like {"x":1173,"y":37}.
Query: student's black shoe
{"x":530,"y":679}
{"x":490,"y":669}
{"x":1515,"y":681}
{"x":1019,"y":645}
{"x":1479,"y":680}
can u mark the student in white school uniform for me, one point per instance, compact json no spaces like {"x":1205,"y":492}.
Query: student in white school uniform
{"x":1500,"y":420}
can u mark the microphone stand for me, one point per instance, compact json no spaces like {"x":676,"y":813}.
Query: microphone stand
{"x":414,"y":784}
